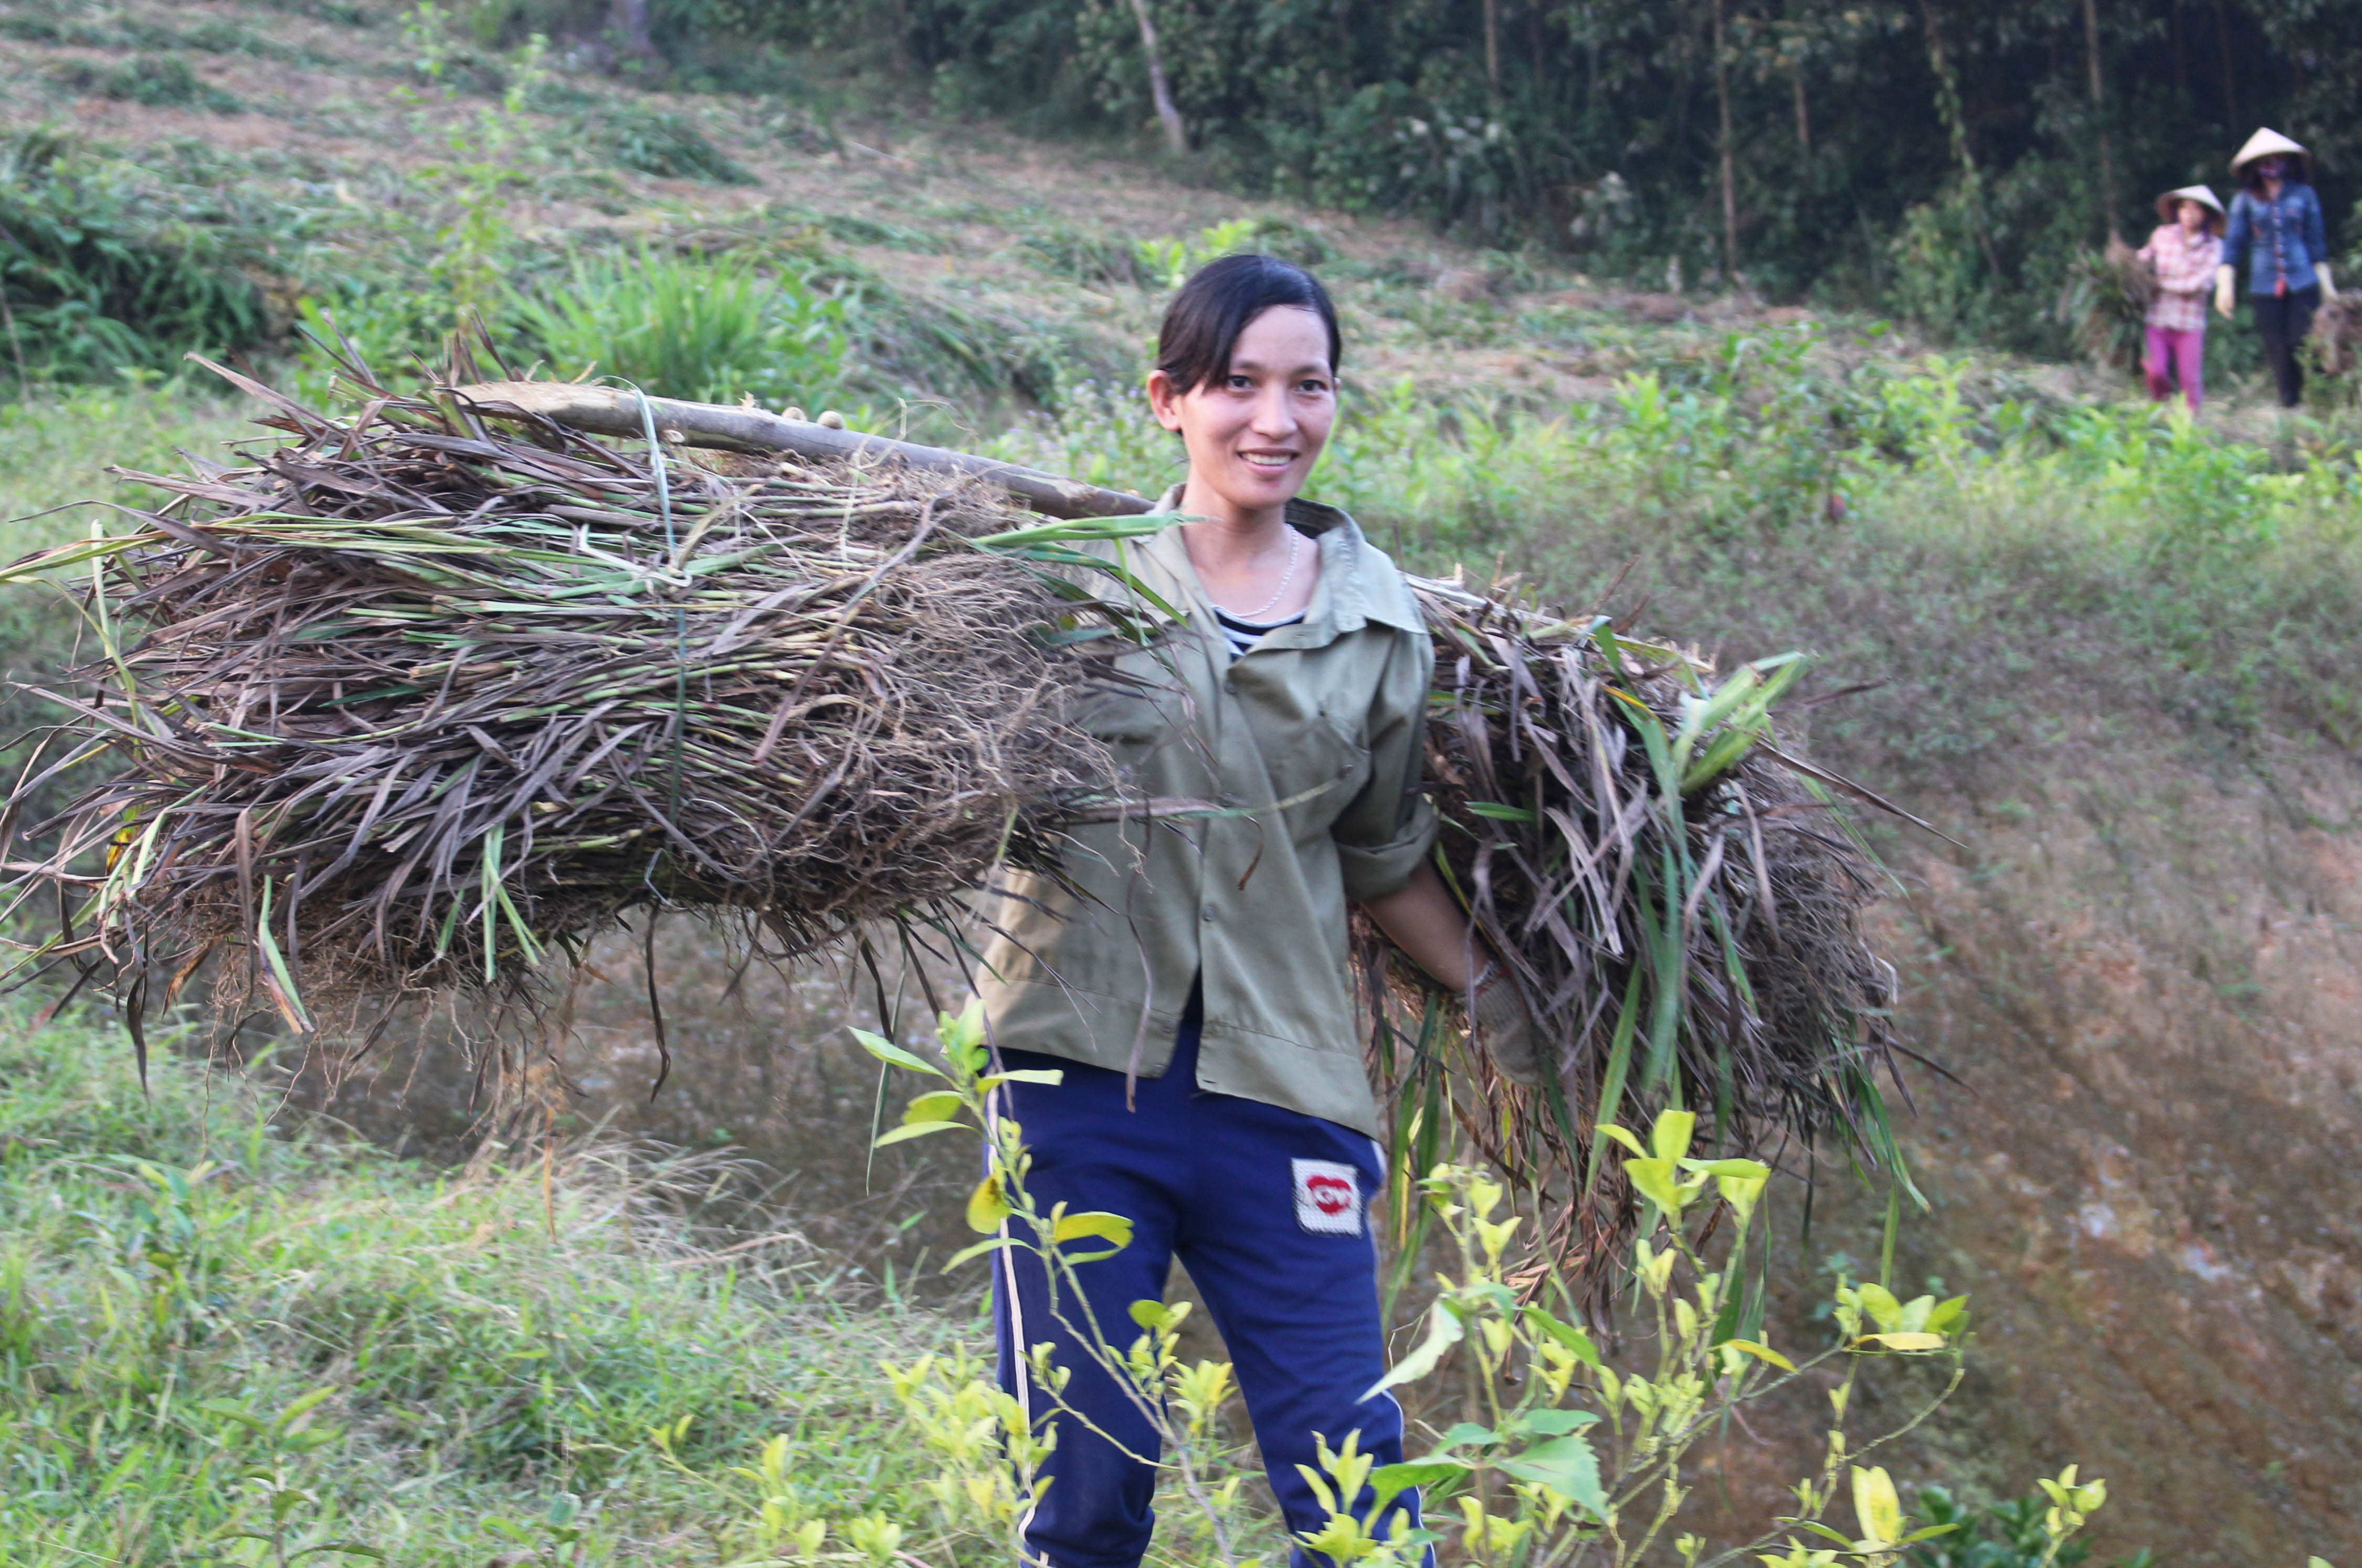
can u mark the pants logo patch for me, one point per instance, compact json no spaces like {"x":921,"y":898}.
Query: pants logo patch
{"x":1328,"y":1197}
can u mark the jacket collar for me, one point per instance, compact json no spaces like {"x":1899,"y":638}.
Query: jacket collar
{"x":1359,"y":583}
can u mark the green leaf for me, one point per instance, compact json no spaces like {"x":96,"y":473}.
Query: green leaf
{"x":1553,"y":1423}
{"x":1567,"y":1467}
{"x":885,"y":1050}
{"x":1654,"y":1181}
{"x":1106,"y":1227}
{"x":1762,"y":1352}
{"x":1729,"y":1167}
{"x":303,"y":1403}
{"x":1501,"y":813}
{"x":1876,"y":1505}
{"x":941,"y":1105}
{"x":978,"y":1251}
{"x":1880,"y":1303}
{"x":1464,"y":1433}
{"x":1567,"y":1334}
{"x":1050,"y":1076}
{"x":1623,"y":1136}
{"x":1390,"y":1481}
{"x":1669,"y":1140}
{"x":988,"y":1206}
{"x":904,"y":1133}
{"x":1904,"y":1343}
{"x":1444,"y":1329}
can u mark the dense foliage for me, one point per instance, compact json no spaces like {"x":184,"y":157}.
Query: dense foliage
{"x":1943,"y":158}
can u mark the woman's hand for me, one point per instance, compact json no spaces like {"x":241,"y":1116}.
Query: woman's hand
{"x":1425,"y":920}
{"x":1506,"y":1029}
{"x":2222,"y":297}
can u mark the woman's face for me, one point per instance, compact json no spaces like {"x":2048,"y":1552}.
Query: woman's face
{"x":1254,"y":435}
{"x":2193,"y":217}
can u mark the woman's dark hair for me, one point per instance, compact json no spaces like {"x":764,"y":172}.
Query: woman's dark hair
{"x":1203,"y":323}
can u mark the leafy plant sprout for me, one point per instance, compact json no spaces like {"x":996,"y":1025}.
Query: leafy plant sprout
{"x":1564,"y":1458}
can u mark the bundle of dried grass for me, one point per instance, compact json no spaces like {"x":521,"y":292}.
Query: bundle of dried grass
{"x":2104,"y":303}
{"x":2335,"y":340}
{"x":405,"y":704}
{"x":1675,"y":895}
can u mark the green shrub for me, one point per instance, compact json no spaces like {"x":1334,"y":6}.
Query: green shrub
{"x":2003,"y":1535}
{"x":105,"y":273}
{"x":666,"y":145}
{"x":706,"y":328}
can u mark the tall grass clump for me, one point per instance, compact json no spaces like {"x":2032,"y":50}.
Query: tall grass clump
{"x":708,"y":329}
{"x":108,"y":266}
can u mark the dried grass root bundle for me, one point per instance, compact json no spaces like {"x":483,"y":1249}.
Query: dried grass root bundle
{"x":2335,"y":340}
{"x":407,"y":704}
{"x":1675,"y":896}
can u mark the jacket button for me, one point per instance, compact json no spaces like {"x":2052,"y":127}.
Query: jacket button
{"x":1208,"y":911}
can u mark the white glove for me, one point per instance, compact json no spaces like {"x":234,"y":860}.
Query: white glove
{"x":1505,"y":1029}
{"x":2223,"y":292}
{"x":2328,"y":289}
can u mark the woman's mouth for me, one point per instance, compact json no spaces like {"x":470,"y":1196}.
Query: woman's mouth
{"x":1269,"y":462}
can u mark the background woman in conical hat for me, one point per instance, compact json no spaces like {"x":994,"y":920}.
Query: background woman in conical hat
{"x":2183,"y":252}
{"x":2275,"y":239}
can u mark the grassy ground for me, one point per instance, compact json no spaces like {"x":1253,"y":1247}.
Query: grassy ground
{"x":228,"y":1335}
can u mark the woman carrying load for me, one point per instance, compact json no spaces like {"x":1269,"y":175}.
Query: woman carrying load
{"x":2277,"y":236}
{"x":2184,"y":251}
{"x":1192,"y":989}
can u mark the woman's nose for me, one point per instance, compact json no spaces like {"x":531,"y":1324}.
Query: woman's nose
{"x":1273,"y":416}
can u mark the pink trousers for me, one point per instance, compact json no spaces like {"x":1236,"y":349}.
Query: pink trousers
{"x":2177,"y":355}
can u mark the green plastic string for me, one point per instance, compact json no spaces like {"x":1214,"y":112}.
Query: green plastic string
{"x":681,"y":618}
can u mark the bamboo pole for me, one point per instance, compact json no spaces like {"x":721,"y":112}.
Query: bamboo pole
{"x":611,"y":411}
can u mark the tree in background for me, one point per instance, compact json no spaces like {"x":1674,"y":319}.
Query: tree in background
{"x":1941,"y":157}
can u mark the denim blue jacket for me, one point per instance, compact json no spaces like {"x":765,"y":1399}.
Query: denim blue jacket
{"x":2275,"y":239}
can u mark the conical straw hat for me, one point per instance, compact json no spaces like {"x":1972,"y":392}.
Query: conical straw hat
{"x":2199,"y":193}
{"x":2263,"y":144}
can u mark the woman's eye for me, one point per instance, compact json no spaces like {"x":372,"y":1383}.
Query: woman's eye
{"x":1241,"y":383}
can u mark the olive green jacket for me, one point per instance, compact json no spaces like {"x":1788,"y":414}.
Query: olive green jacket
{"x":1311,"y":740}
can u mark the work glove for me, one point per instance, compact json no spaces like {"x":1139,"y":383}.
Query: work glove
{"x":1504,"y":1028}
{"x":2328,"y":289}
{"x":2223,"y":292}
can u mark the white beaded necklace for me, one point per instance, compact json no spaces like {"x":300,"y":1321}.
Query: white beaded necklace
{"x":1254,"y":616}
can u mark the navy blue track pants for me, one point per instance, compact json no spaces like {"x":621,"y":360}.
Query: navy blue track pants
{"x":1268,"y":1210}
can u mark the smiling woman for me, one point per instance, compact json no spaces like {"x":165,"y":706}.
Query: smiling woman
{"x":1187,"y":985}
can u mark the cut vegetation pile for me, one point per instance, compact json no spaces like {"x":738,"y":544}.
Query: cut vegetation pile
{"x":1674,"y":894}
{"x":406,"y":703}
{"x":416,"y":698}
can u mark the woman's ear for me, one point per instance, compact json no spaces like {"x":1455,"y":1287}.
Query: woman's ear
{"x":1163,"y":401}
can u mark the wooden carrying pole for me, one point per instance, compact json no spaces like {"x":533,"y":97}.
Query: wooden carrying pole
{"x":611,"y":411}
